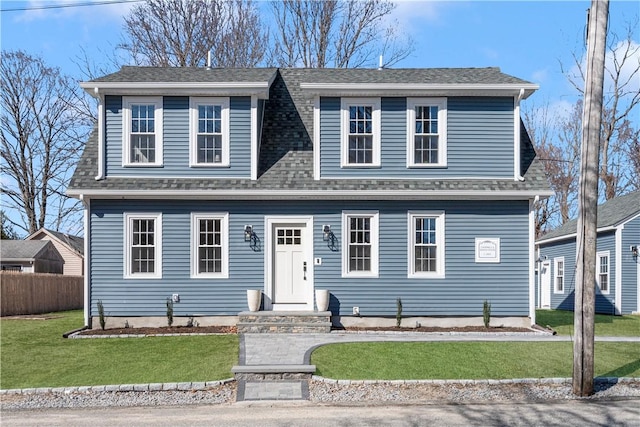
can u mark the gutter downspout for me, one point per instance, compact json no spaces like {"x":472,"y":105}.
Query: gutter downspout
{"x":516,"y":137}
{"x":101,"y":157}
{"x":532,"y":241}
{"x":87,"y":260}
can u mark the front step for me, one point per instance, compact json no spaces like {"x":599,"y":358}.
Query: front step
{"x":258,"y":322}
{"x":273,"y":372}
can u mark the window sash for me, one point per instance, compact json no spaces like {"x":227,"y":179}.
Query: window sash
{"x":603,"y":273}
{"x":143,"y":246}
{"x":360,"y":236}
{"x":142,"y":131}
{"x":559,"y":276}
{"x":425,"y":244}
{"x":426,"y":123}
{"x":209,"y":133}
{"x":209,"y":245}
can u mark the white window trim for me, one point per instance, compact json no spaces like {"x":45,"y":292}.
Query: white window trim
{"x":128,"y":218}
{"x":440,"y":249}
{"x":441,"y":103}
{"x":345,"y":103}
{"x":224,"y":228}
{"x":555,"y":275}
{"x":375,"y":250}
{"x":194,"y":102}
{"x":127,"y":101}
{"x":599,"y":255}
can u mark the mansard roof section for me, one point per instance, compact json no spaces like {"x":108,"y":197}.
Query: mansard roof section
{"x":414,"y":82}
{"x":131,"y":80}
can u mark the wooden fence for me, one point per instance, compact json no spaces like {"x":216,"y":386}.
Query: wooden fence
{"x":33,"y":293}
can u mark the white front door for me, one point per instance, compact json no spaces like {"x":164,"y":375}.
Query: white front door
{"x":289,"y":263}
{"x":545,"y":285}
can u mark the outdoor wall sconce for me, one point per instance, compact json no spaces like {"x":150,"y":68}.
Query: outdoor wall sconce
{"x":634,"y":251}
{"x":326,"y":230}
{"x":248,"y":233}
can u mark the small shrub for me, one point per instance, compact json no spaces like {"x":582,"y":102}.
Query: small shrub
{"x":191,"y":323}
{"x":169,"y":312}
{"x":398,"y":312}
{"x":103,"y":322}
{"x":486,"y":313}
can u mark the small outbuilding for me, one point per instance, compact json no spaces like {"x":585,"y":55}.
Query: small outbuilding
{"x":30,"y":256}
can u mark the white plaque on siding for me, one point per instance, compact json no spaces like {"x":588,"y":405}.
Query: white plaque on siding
{"x":487,"y":249}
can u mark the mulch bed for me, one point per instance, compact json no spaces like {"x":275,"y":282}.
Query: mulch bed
{"x":163,"y":330}
{"x":233,"y":330}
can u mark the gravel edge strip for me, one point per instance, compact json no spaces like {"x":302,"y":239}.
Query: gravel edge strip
{"x":200,"y":386}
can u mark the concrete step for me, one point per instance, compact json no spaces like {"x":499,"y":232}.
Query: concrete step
{"x":284,"y":322}
{"x":273,"y":372}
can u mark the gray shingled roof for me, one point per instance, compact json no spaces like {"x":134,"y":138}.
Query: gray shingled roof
{"x":129,"y":74}
{"x":76,"y":243}
{"x":610,"y":214}
{"x":11,"y":250}
{"x":286,"y":151}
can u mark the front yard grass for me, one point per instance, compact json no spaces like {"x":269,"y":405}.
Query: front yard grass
{"x":468,"y":360}
{"x":34,"y":354}
{"x":605,"y":325}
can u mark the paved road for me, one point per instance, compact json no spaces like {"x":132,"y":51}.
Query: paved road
{"x":573,"y":413}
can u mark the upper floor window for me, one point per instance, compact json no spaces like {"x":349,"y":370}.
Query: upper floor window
{"x":360,"y":128}
{"x":143,"y":245}
{"x":142,"y":131}
{"x":602,"y":268}
{"x":558,"y":268}
{"x":427,"y":132}
{"x":209,"y":132}
{"x":210,"y":245}
{"x":426,"y":244}
{"x":360,"y":257}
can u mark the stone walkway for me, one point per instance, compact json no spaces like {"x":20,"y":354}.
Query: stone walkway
{"x":277,"y":366}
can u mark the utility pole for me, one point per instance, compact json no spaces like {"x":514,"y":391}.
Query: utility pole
{"x":583,"y":346}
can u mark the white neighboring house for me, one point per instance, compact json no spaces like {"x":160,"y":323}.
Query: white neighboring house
{"x":39,"y":256}
{"x":70,"y":247}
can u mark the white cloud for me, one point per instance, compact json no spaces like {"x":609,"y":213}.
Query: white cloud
{"x":89,"y":13}
{"x":540,"y":76}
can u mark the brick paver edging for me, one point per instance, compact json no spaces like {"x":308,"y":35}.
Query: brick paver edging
{"x":185,"y":386}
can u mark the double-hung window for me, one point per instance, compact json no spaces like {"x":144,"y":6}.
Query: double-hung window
{"x":142,"y":131}
{"x":360,"y":234}
{"x":360,"y":127}
{"x":209,"y":144}
{"x":602,"y":269}
{"x":427,"y":132}
{"x":143,"y":245}
{"x":558,"y":268}
{"x":209,"y":245}
{"x":426,"y":244}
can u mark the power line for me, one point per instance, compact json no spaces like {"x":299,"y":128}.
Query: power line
{"x":65,"y":5}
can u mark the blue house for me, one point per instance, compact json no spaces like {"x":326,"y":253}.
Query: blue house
{"x":375,"y":184}
{"x":617,"y":264}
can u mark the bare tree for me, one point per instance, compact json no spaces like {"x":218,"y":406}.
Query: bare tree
{"x":621,"y":102}
{"x":557,"y":143}
{"x":42,"y":132}
{"x":182,"y":32}
{"x":337,"y":33}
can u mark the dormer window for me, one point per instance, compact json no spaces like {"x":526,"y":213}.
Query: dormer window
{"x":142,"y":129}
{"x":427,"y":132}
{"x":209,"y":132}
{"x":360,"y":132}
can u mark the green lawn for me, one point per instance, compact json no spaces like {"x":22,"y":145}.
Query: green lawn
{"x":468,"y":360}
{"x":34,"y":354}
{"x":605,"y":325}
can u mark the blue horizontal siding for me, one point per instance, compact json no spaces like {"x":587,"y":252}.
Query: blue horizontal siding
{"x":176,"y":141}
{"x":630,"y":267}
{"x":480,"y":132}
{"x":466,"y":285}
{"x":567,"y":249}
